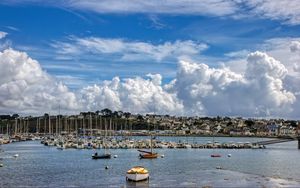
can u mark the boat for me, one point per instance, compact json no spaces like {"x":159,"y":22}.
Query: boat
{"x":214,"y":146}
{"x":60,"y":147}
{"x":106,"y":154}
{"x":148,"y":154}
{"x":137,"y":173}
{"x":215,"y":155}
{"x":103,"y":156}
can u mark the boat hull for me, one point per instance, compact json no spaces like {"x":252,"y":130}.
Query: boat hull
{"x":105,"y":156}
{"x":215,"y":155}
{"x":149,"y":156}
{"x":137,"y":177}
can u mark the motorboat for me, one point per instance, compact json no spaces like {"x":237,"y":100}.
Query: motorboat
{"x":137,"y":173}
{"x":215,"y":155}
{"x":103,"y":156}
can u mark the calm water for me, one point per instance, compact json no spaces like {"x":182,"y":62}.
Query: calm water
{"x":41,"y":166}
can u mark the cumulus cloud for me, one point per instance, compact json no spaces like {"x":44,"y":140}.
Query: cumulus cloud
{"x":258,"y":92}
{"x":136,"y":95}
{"x":128,"y":50}
{"x":196,"y":90}
{"x":295,"y":46}
{"x":25,"y":87}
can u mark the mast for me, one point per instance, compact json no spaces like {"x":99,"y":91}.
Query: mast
{"x":151,"y":142}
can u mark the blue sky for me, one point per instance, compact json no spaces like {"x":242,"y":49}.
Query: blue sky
{"x":179,"y":56}
{"x":33,"y":27}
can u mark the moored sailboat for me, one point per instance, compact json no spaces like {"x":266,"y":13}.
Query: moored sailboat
{"x":106,"y":154}
{"x":148,"y":154}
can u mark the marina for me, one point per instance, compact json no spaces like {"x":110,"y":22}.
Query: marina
{"x":135,"y":142}
{"x":38,"y":165}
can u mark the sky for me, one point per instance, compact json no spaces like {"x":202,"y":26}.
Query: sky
{"x":188,"y":57}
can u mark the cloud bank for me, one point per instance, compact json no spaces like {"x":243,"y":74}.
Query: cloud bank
{"x":198,"y":89}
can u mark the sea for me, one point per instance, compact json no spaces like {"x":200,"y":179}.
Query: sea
{"x":41,"y":166}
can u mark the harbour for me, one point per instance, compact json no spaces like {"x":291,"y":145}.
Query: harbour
{"x":42,"y":166}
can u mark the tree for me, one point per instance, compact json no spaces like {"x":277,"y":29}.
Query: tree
{"x":15,"y":116}
{"x":106,"y":112}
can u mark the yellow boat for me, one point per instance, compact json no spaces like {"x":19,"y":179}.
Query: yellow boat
{"x":137,"y":173}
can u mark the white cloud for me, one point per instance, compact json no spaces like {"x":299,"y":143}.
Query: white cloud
{"x":197,"y":7}
{"x":287,"y":11}
{"x":135,"y":95}
{"x":265,"y":89}
{"x":295,"y":46}
{"x":26,"y":88}
{"x":259,"y":92}
{"x":128,"y":50}
{"x":2,"y":34}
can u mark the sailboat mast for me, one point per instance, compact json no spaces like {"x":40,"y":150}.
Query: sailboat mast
{"x":151,"y":142}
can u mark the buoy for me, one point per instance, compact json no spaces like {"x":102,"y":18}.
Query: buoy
{"x":16,"y":155}
{"x":1,"y":165}
{"x":229,"y":155}
{"x":115,"y":156}
{"x":106,"y":167}
{"x":162,"y":156}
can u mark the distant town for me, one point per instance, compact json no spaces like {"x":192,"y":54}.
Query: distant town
{"x":125,"y":123}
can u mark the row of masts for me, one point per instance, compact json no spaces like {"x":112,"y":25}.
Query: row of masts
{"x":57,"y":125}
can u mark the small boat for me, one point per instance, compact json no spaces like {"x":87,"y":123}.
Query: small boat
{"x":59,"y":147}
{"x":103,"y":156}
{"x":148,"y":155}
{"x":137,"y":173}
{"x":215,"y":155}
{"x":16,"y":155}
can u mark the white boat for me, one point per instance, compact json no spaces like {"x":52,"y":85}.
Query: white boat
{"x":137,"y":173}
{"x":59,"y":147}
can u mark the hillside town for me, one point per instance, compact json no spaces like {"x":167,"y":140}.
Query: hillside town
{"x":118,"y":122}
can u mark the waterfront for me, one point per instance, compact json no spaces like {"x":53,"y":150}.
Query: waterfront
{"x":42,"y":166}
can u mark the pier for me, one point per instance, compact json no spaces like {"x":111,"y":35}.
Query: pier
{"x":280,"y":140}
